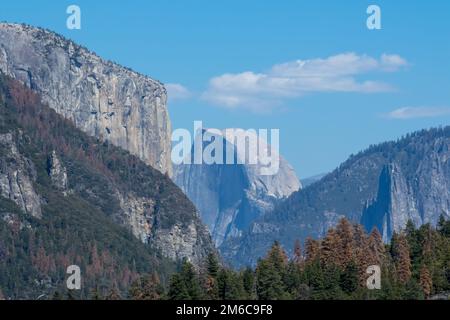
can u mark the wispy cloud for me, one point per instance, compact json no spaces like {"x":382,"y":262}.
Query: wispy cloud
{"x":418,"y":112}
{"x":293,"y":79}
{"x":176,"y":91}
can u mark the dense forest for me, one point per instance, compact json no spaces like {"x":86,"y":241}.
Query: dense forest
{"x":78,"y":227}
{"x":414,"y":265}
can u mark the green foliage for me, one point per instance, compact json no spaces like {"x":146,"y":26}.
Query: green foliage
{"x":275,"y":277}
{"x":78,"y":228}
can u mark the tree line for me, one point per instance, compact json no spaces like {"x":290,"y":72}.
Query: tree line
{"x":415,"y":264}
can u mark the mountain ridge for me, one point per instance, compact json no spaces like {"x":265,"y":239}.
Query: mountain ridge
{"x":351,"y":189}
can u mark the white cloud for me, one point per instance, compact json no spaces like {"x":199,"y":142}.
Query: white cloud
{"x":418,"y":112}
{"x":296,"y":78}
{"x":176,"y":91}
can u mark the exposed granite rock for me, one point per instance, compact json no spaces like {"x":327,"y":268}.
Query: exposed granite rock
{"x":420,"y":195}
{"x":17,"y":174}
{"x":137,"y":213}
{"x":57,"y":173}
{"x":230,"y":197}
{"x":103,"y":99}
{"x":184,"y":242}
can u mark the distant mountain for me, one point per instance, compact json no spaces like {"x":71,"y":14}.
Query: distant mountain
{"x":310,"y":180}
{"x":230,"y":197}
{"x":68,"y":198}
{"x":383,"y":187}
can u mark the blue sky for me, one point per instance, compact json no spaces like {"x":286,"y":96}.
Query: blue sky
{"x":310,"y":68}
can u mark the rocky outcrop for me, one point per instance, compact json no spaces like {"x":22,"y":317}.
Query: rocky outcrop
{"x":139,"y":214}
{"x":57,"y":173}
{"x":17,"y":174}
{"x":102,"y":98}
{"x":230,"y":197}
{"x":185,"y":242}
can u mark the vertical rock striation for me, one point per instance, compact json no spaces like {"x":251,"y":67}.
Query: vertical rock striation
{"x":17,"y":174}
{"x":102,"y":98}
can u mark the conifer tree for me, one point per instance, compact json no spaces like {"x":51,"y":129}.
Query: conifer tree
{"x":212,"y":265}
{"x":229,"y":285}
{"x":425,"y":281}
{"x":401,"y":257}
{"x":191,"y":280}
{"x":147,"y":288}
{"x":211,"y":285}
{"x":248,"y":281}
{"x":349,"y":278}
{"x":362,"y":252}
{"x":312,"y":250}
{"x":329,"y":250}
{"x":377,"y":252}
{"x":443,"y":226}
{"x":278,"y":257}
{"x":269,"y":284}
{"x":177,"y":288}
{"x":345,"y":254}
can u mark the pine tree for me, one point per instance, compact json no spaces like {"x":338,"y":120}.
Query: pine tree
{"x":229,"y":285}
{"x":212,"y":265}
{"x":191,"y":280}
{"x":147,"y":288}
{"x":210,"y":283}
{"x":177,"y":288}
{"x":349,"y":278}
{"x":278,"y":257}
{"x":362,"y":252}
{"x":248,"y":281}
{"x":329,"y":250}
{"x":425,"y":281}
{"x":270,"y":273}
{"x":211,"y":288}
{"x":269,"y":285}
{"x":2,"y":297}
{"x":315,"y":278}
{"x":401,"y":257}
{"x":443,"y":226}
{"x":377,"y":252}
{"x":312,"y":250}
{"x":346,"y":247}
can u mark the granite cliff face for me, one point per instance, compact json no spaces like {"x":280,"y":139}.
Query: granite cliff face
{"x":17,"y":174}
{"x":230,"y":197}
{"x":418,"y":191}
{"x":383,"y":187}
{"x":103,"y":99}
{"x":43,"y":155}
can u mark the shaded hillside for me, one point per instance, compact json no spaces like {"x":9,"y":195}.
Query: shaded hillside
{"x":67,"y":198}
